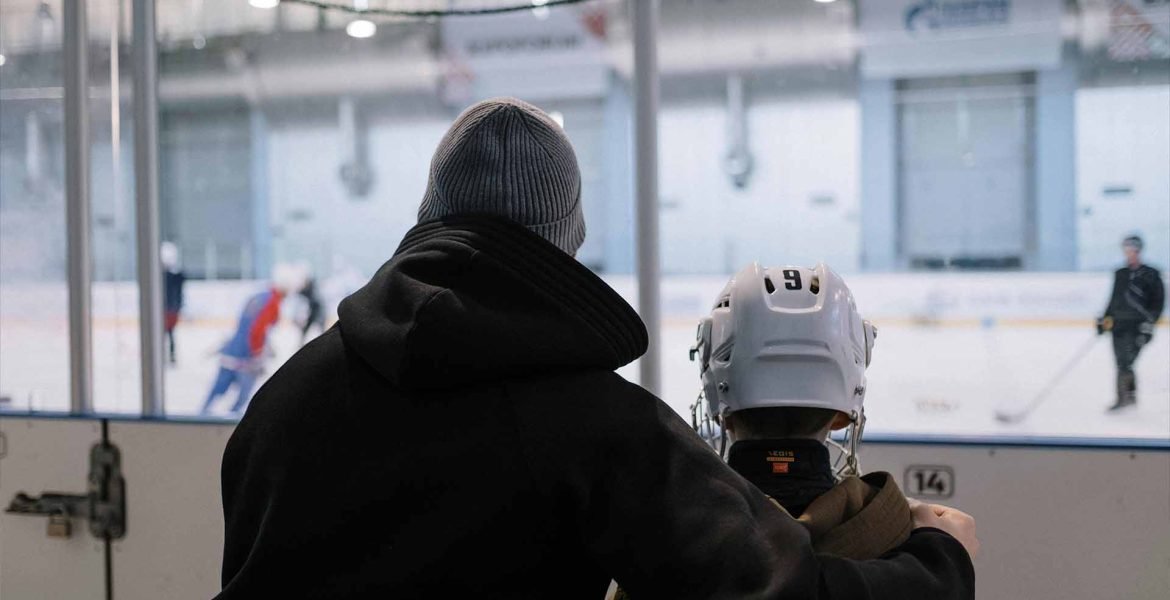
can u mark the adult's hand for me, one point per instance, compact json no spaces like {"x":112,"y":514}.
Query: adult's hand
{"x":959,"y":524}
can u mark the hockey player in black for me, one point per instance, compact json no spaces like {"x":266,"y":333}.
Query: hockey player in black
{"x":1133,"y":311}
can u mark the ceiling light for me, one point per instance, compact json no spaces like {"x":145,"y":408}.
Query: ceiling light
{"x":361,"y":28}
{"x":3,"y":59}
{"x":264,"y":3}
{"x":558,"y":117}
{"x":825,"y":1}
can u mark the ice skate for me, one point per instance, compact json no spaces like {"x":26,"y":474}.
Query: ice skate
{"x":1126,"y":399}
{"x":1121,"y":404}
{"x":1126,"y":392}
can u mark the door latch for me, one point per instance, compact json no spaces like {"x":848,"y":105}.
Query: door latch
{"x":103,"y":504}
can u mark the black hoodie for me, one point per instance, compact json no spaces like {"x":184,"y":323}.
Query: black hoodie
{"x":461,"y":434}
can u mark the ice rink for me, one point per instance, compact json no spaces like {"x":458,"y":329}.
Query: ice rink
{"x":943,"y":365}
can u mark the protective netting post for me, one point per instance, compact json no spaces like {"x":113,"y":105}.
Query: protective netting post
{"x":150,"y":324}
{"x":645,"y":22}
{"x":79,"y":248}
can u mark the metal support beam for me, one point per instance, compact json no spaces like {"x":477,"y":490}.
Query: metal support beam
{"x":150,"y":310}
{"x":79,"y":263}
{"x":645,"y":22}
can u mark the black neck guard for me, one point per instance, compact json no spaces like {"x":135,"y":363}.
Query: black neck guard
{"x":793,"y":471}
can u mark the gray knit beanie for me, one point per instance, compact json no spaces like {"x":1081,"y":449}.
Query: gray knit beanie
{"x":506,"y":157}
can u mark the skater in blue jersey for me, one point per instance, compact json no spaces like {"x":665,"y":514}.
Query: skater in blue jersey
{"x":242,"y":357}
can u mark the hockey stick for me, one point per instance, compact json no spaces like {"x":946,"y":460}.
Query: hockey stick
{"x":1010,"y":417}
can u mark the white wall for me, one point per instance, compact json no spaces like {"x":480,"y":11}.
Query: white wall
{"x":304,"y":162}
{"x":804,"y":149}
{"x":1123,"y":140}
{"x":303,"y":165}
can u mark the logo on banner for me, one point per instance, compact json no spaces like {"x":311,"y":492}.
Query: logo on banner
{"x":524,"y":45}
{"x":957,"y":14}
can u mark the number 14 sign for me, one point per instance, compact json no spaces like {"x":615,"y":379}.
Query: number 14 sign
{"x":929,"y":481}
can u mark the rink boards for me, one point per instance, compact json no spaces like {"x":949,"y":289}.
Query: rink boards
{"x":1055,"y":521}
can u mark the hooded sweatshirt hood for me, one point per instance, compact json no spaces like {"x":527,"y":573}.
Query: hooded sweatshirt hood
{"x":478,"y":298}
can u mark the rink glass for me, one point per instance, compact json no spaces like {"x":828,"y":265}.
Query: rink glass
{"x":968,"y":167}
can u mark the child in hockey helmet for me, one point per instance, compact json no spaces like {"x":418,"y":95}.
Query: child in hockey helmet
{"x":782,"y":358}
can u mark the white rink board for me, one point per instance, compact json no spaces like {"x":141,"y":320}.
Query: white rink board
{"x":40,"y":455}
{"x":174,"y":544}
{"x":1055,"y":523}
{"x":952,"y":349}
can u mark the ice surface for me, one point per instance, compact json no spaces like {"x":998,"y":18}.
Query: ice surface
{"x":927,"y":377}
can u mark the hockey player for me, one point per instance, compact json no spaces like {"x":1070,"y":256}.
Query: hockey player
{"x":242,"y":356}
{"x":1133,"y":312}
{"x":315,"y":314}
{"x":173,"y":280}
{"x":782,"y":361}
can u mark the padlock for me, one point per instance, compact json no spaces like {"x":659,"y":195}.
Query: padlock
{"x":60,"y":526}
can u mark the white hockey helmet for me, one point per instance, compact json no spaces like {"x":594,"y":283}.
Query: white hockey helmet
{"x":168,"y":255}
{"x":784,"y":337}
{"x":289,"y":278}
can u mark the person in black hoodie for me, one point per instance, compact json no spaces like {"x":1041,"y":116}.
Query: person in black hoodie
{"x":461,"y":433}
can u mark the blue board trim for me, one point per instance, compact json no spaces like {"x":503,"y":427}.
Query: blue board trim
{"x":1038,"y":442}
{"x":118,"y":418}
{"x":991,"y":441}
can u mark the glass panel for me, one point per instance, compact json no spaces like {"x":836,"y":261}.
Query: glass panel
{"x":970,"y":169}
{"x":969,"y":172}
{"x":286,"y":139}
{"x":116,"y":358}
{"x":34,"y":322}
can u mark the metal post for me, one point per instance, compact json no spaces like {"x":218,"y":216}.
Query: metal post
{"x":646,"y":182}
{"x":79,"y":265}
{"x":150,"y":324}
